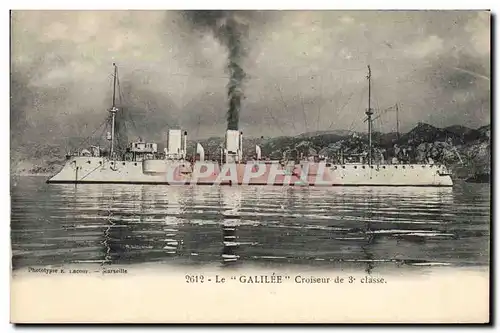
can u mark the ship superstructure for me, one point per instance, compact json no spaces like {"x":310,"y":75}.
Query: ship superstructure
{"x":142,"y":163}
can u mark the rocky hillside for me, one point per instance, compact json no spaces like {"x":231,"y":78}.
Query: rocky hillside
{"x":466,"y":151}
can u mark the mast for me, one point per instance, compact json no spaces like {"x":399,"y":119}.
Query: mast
{"x":113,"y":111}
{"x":369,"y":114}
{"x":397,"y":120}
{"x":114,"y":84}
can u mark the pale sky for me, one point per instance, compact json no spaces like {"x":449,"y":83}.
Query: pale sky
{"x":306,"y":71}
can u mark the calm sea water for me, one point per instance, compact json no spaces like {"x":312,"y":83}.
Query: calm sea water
{"x":358,"y":227}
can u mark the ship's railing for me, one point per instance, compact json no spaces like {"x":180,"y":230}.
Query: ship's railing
{"x":82,"y":154}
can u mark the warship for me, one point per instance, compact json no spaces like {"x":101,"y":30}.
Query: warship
{"x":142,"y":163}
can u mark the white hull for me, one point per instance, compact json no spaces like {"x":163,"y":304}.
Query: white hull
{"x":101,"y":170}
{"x":390,"y":175}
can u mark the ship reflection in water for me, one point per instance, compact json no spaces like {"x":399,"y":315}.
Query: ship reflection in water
{"x":355,"y":227}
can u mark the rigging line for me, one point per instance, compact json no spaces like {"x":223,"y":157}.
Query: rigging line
{"x":90,"y":136}
{"x":374,"y":98}
{"x":342,"y":108}
{"x":353,"y":125}
{"x":120,"y":123}
{"x":91,"y":171}
{"x":336,"y":103}
{"x":122,"y":133}
{"x":356,"y":120}
{"x":380,"y":123}
{"x":375,"y":103}
{"x":272,"y":116}
{"x":320,"y":104}
{"x":380,"y":111}
{"x":318,"y":115}
{"x":122,"y":100}
{"x":102,"y":134}
{"x":339,"y":91}
{"x":285,"y":106}
{"x":303,"y":112}
{"x":350,"y":96}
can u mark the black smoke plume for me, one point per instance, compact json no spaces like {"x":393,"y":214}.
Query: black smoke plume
{"x":230,"y":31}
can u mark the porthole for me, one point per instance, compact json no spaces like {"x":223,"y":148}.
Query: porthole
{"x":100,"y":162}
{"x":112,"y":163}
{"x":328,"y":165}
{"x":123,"y":163}
{"x":371,"y":166}
{"x":355,"y":167}
{"x":343,"y":167}
{"x":88,"y":162}
{"x":395,"y":167}
{"x":363,"y":166}
{"x":383,"y":167}
{"x":404,"y":167}
{"x":423,"y":166}
{"x":135,"y":163}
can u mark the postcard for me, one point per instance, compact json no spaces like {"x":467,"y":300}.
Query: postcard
{"x":252,"y":166}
